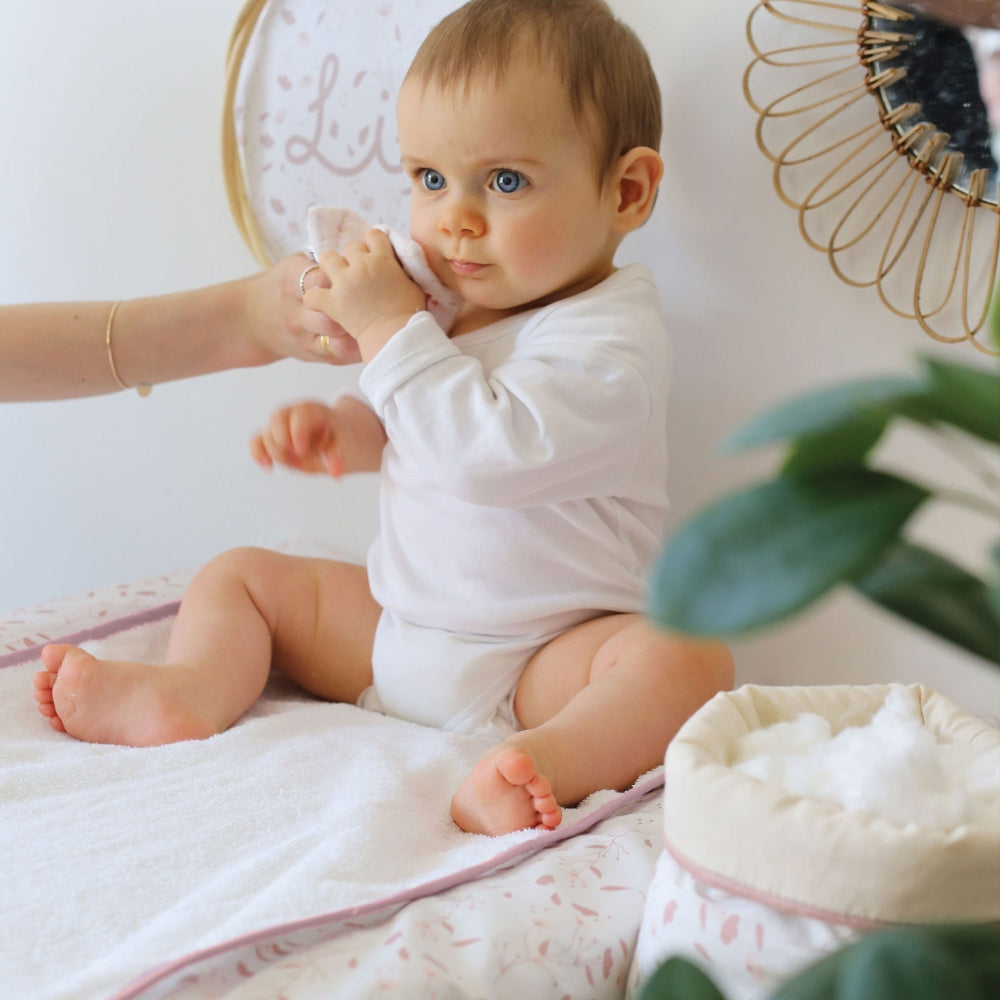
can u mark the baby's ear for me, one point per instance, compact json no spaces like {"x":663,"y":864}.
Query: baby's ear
{"x":636,"y":180}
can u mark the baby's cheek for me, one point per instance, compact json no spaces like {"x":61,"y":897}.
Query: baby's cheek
{"x":535,"y":255}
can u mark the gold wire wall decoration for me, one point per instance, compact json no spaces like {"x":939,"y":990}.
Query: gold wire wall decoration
{"x":894,"y":200}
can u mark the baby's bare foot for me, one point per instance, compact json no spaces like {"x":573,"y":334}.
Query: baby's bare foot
{"x":506,"y":791}
{"x":102,"y":701}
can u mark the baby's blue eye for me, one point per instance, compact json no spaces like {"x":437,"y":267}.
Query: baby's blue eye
{"x":509,"y":181}
{"x":432,"y":180}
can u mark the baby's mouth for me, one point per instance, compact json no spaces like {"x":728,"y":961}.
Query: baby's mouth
{"x":465,"y":267}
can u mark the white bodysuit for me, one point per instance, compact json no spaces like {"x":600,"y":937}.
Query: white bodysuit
{"x":523,"y":490}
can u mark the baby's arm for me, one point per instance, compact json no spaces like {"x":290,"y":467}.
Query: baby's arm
{"x":313,"y":437}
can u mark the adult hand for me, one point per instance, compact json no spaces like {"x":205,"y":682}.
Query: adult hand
{"x":281,"y":323}
{"x":58,"y":350}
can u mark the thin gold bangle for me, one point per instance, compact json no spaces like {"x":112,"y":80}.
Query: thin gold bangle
{"x":143,"y":388}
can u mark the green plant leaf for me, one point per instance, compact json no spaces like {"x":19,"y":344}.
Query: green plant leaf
{"x":862,"y":401}
{"x":957,"y":962}
{"x":679,"y":979}
{"x":934,"y":593}
{"x":977,"y":946}
{"x":961,"y":395}
{"x":760,"y":555}
{"x":994,"y":591}
{"x":846,"y":444}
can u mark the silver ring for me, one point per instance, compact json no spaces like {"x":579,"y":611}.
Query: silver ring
{"x":302,"y":278}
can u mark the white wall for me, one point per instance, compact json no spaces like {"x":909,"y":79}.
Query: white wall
{"x":111,"y":187}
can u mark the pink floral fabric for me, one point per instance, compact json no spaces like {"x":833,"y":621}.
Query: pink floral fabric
{"x":746,"y":946}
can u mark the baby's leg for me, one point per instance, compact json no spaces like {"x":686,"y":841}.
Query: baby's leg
{"x":599,"y":704}
{"x":245,"y":611}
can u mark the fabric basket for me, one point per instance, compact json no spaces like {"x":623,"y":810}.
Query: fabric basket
{"x":755,"y":882}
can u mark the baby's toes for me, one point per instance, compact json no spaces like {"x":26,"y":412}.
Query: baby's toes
{"x":549,"y":812}
{"x":42,"y":691}
{"x":53,"y":655}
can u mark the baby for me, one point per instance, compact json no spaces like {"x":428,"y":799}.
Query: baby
{"x":522,"y":452}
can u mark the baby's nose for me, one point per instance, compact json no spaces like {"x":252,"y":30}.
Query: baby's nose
{"x":462,"y":217}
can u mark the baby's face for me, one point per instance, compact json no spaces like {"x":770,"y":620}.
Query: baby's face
{"x":505,"y":198}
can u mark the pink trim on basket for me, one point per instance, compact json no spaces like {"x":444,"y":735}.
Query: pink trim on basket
{"x":770,"y":899}
{"x":505,"y":858}
{"x":102,"y":631}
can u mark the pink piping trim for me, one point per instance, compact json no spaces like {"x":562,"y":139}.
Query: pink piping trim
{"x":770,"y":899}
{"x":102,"y":631}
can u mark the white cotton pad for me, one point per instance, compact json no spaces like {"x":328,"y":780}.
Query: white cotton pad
{"x":893,"y":767}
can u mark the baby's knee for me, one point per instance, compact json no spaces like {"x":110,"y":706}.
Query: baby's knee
{"x":637,"y":642}
{"x":240,"y":564}
{"x":709,"y":662}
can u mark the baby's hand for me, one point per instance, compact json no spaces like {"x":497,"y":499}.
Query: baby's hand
{"x":303,"y":436}
{"x":370,"y":294}
{"x":278,"y":322}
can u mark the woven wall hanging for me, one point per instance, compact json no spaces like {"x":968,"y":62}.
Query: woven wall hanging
{"x":873,"y":119}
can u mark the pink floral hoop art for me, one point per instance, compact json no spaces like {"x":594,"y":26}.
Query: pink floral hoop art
{"x":309,"y":115}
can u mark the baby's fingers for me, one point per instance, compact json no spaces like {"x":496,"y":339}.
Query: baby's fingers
{"x":333,"y":461}
{"x":276,"y":440}
{"x":274,"y":444}
{"x":308,"y":430}
{"x":258,"y":452}
{"x":299,"y":437}
{"x":267,"y":453}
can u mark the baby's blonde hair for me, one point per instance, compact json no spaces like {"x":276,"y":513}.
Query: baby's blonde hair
{"x":608,"y":76}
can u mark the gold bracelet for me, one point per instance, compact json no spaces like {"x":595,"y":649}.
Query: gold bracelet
{"x":143,"y":388}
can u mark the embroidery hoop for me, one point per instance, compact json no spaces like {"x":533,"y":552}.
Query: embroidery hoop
{"x":309,"y":113}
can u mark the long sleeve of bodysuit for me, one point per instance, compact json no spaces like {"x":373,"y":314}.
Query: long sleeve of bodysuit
{"x":524,"y":478}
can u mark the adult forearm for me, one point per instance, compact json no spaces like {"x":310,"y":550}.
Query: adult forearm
{"x":59,"y":350}
{"x":169,"y":337}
